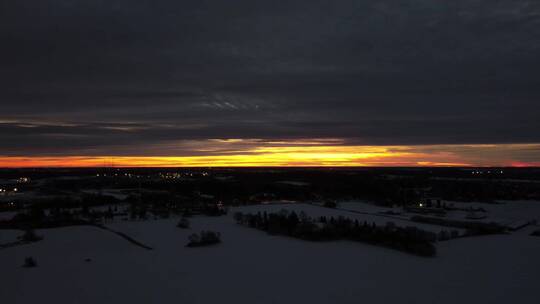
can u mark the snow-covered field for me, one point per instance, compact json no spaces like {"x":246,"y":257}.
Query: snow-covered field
{"x":317,"y":211}
{"x":253,"y":267}
{"x":9,"y":236}
{"x":507,"y":212}
{"x":7,"y":215}
{"x":503,"y":212}
{"x":118,"y":194}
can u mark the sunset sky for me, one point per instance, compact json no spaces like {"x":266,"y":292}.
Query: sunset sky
{"x":269,"y":83}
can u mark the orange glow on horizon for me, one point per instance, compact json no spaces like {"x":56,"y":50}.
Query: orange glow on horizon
{"x":274,"y":154}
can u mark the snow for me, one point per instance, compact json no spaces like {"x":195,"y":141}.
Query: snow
{"x":118,"y":194}
{"x":294,"y":183}
{"x":372,"y":217}
{"x":9,"y":236}
{"x":363,"y":207}
{"x":253,"y":267}
{"x":506,"y":212}
{"x":7,"y":215}
{"x":104,"y":208}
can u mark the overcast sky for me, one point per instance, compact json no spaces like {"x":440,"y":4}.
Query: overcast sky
{"x":103,"y":77}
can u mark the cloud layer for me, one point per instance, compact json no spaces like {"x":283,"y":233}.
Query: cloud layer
{"x":123,"y":77}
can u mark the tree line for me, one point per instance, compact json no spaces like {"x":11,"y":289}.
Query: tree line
{"x":289,"y":223}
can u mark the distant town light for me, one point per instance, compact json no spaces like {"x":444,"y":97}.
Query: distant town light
{"x":23,"y":180}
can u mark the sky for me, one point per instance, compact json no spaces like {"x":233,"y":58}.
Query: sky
{"x":248,"y":83}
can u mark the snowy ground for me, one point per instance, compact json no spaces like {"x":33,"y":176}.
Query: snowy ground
{"x":317,"y":211}
{"x":7,"y":215}
{"x":252,"y":267}
{"x":116,"y":193}
{"x":503,"y":212}
{"x":9,"y":236}
{"x":507,"y":212}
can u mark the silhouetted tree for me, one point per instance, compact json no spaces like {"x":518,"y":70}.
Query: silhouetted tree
{"x":29,"y":262}
{"x":31,"y":236}
{"x":183,"y":223}
{"x":205,"y":238}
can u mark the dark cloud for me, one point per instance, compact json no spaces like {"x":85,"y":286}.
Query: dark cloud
{"x":100,"y":77}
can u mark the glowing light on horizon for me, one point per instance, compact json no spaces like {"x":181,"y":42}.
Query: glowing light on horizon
{"x":308,"y":153}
